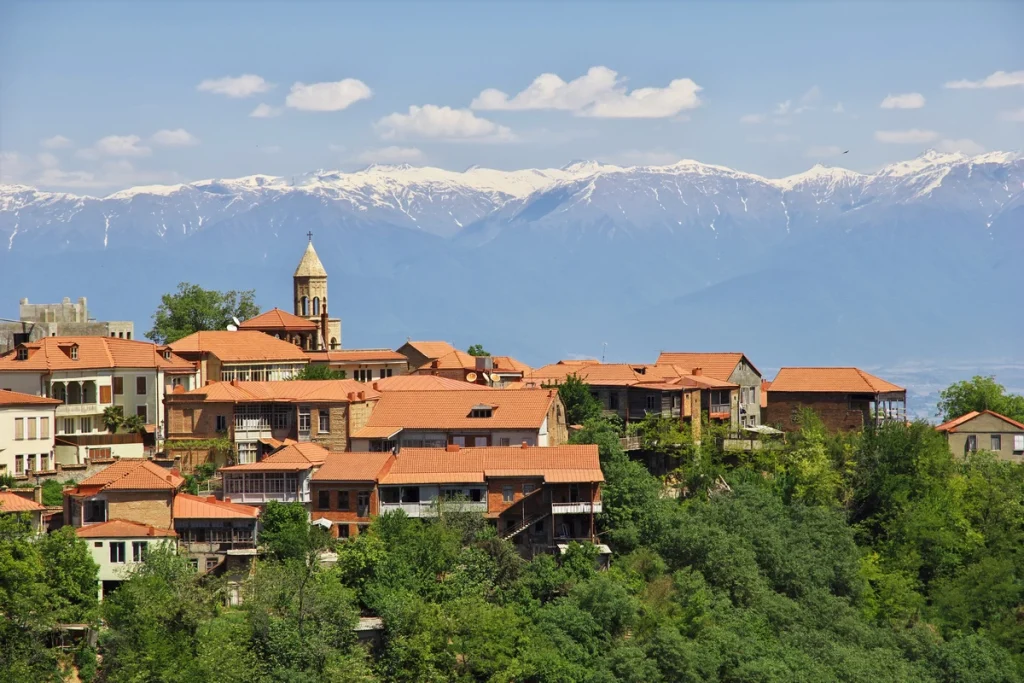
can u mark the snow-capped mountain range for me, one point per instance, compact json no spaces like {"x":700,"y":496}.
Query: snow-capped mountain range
{"x":818,"y":264}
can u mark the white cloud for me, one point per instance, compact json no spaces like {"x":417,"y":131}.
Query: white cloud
{"x":235,"y":86}
{"x":1000,"y":79}
{"x":809,"y":100}
{"x":964,"y":146}
{"x":752,"y":118}
{"x":13,"y":167}
{"x":48,"y":160}
{"x":116,"y":146}
{"x":332,"y":96}
{"x":823,"y":152}
{"x":56,"y":142}
{"x":265,"y":111}
{"x":783,"y":108}
{"x":906,"y":137}
{"x":599,"y":93}
{"x":390,"y":155}
{"x":179,"y":137}
{"x":431,"y":121}
{"x":838,"y":109}
{"x":910,"y":100}
{"x":1017,"y":115}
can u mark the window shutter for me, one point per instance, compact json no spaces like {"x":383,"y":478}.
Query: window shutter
{"x":119,"y":385}
{"x":19,"y":428}
{"x":1018,"y":442}
{"x":105,"y":395}
{"x":44,"y":428}
{"x":140,"y":385}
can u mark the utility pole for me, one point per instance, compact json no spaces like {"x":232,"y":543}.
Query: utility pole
{"x":604,"y":348}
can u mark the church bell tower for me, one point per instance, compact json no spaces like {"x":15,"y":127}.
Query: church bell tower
{"x":309,"y":287}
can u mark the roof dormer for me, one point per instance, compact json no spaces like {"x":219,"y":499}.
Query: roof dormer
{"x":21,"y":353}
{"x":482,"y":410}
{"x":167,"y":354}
{"x":70,"y":349}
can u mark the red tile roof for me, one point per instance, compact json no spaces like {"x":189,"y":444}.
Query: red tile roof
{"x":276,"y":319}
{"x":54,"y":353}
{"x":524,"y":409}
{"x":358,"y":356}
{"x":12,"y":502}
{"x":294,"y":457}
{"x":509,"y":364}
{"x":626,"y":375}
{"x":281,"y":391}
{"x":120,"y":528}
{"x":240,"y":346}
{"x":555,"y":464}
{"x":16,"y":398}
{"x":955,"y":423}
{"x":132,"y":475}
{"x":838,"y":380}
{"x":717,"y":365}
{"x":187,"y":506}
{"x":431,"y":349}
{"x":425,"y":383}
{"x":765,"y":385}
{"x":354,"y":467}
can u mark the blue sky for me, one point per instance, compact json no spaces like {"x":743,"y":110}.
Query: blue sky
{"x":95,"y":97}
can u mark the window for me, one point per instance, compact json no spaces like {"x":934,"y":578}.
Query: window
{"x":74,"y":352}
{"x":316,"y":305}
{"x":1018,"y":443}
{"x":505,"y":441}
{"x":100,"y":453}
{"x":140,"y":385}
{"x":528,"y":488}
{"x":69,"y":425}
{"x":476,"y":495}
{"x":363,"y":503}
{"x":19,"y":464}
{"x":167,"y":354}
{"x":246,"y":453}
{"x":221,"y":423}
{"x":139,"y":549}
{"x":304,"y":419}
{"x":459,"y":441}
{"x":95,"y":511}
{"x":194,"y":564}
{"x":343,"y":500}
{"x":652,"y":402}
{"x":19,"y":428}
{"x":142,"y":412}
{"x":574,"y":493}
{"x":97,"y":544}
{"x":479,"y":441}
{"x":127,"y":335}
{"x":117,"y":552}
{"x":325,"y":421}
{"x":211,"y":563}
{"x":118,"y":385}
{"x":32,"y":428}
{"x":507,"y":494}
{"x":105,"y":394}
{"x":85,"y":425}
{"x":233,"y":484}
{"x":996,"y":442}
{"x":482,"y":412}
{"x":389,"y":495}
{"x":343,"y":531}
{"x":410,"y":494}
{"x":972,"y":444}
{"x":22,"y":354}
{"x":363,"y":375}
{"x":323,"y":500}
{"x":613,"y":401}
{"x":385,"y":373}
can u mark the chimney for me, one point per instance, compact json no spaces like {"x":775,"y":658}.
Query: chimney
{"x":698,"y":371}
{"x":375,"y":387}
{"x":37,"y":494}
{"x":351,"y":396}
{"x":452,"y":448}
{"x":433,"y":364}
{"x":235,"y":383}
{"x":211,"y":499}
{"x":525,"y":445}
{"x":362,"y":395}
{"x":323,"y":326}
{"x":168,"y":478}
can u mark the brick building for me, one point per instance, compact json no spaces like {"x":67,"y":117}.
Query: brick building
{"x":846,"y":399}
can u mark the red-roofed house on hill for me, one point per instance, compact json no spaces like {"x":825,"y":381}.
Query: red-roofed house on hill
{"x":257,"y":416}
{"x":444,"y":360}
{"x":846,"y":399}
{"x":301,"y":332}
{"x":118,"y":547}
{"x":363,"y":365}
{"x":26,"y":433}
{"x":284,"y":475}
{"x":90,"y":374}
{"x":985,"y":430}
{"x":733,"y":367}
{"x":243,"y":355}
{"x":344,"y":490}
{"x":12,"y":503}
{"x":133,"y":490}
{"x":214,"y":532}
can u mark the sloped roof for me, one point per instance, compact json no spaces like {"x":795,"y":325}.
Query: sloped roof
{"x":120,"y":528}
{"x":509,"y":364}
{"x":425,"y":383}
{"x":54,"y":353}
{"x":524,"y":409}
{"x":12,"y":502}
{"x":358,"y":356}
{"x":555,"y":464}
{"x":838,"y":380}
{"x":276,"y":319}
{"x":656,"y":377}
{"x":240,"y":346}
{"x":717,"y":365}
{"x":187,"y":506}
{"x":354,"y":467}
{"x":294,"y":457}
{"x":455,"y":360}
{"x":281,"y":391}
{"x":431,"y":349}
{"x":128,"y":475}
{"x":310,"y":265}
{"x":16,"y":398}
{"x":955,"y":423}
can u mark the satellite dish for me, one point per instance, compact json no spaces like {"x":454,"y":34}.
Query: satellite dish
{"x":471,"y":377}
{"x":236,"y":321}
{"x":232,"y":328}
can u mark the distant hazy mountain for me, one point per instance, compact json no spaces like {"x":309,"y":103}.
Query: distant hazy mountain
{"x":922,"y":260}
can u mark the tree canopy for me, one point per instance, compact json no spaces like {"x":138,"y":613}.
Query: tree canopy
{"x":580,"y":404}
{"x":319,"y":372}
{"x":979,"y":393}
{"x":477,"y":350}
{"x":194,"y":309}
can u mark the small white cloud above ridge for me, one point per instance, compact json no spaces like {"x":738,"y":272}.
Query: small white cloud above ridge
{"x":56,"y":142}
{"x":432,"y":121}
{"x":999,"y":79}
{"x":910,"y":100}
{"x":328,"y":96}
{"x":116,"y":146}
{"x":265,"y":111}
{"x":390,"y":155}
{"x":179,"y":137}
{"x":964,"y":146}
{"x":906,"y":137}
{"x":235,"y":86}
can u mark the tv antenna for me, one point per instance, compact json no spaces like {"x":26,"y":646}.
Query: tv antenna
{"x":604,"y":347}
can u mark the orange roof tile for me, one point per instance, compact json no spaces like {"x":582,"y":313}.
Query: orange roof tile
{"x":120,"y":528}
{"x":240,"y":346}
{"x":524,"y":409}
{"x":129,"y":475}
{"x":16,"y":398}
{"x":455,"y":360}
{"x":281,"y":391}
{"x":625,"y":375}
{"x":509,"y":364}
{"x":765,"y":384}
{"x":187,"y":506}
{"x":54,"y":353}
{"x":431,"y":349}
{"x":841,"y":380}
{"x":12,"y":502}
{"x":354,"y":467}
{"x":571,"y":463}
{"x":358,"y":356}
{"x":425,"y":383}
{"x":293,"y":457}
{"x":276,"y":319}
{"x":717,"y":365}
{"x":955,"y":423}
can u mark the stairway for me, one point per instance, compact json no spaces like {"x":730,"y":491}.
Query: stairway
{"x":525,"y":525}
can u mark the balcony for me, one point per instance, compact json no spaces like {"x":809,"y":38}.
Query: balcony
{"x":575,"y":508}
{"x":69,"y":409}
{"x":429,"y":508}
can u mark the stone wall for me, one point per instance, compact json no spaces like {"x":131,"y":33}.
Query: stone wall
{"x":838,"y":412}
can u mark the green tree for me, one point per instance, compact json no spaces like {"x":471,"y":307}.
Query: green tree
{"x":133,"y":424}
{"x":319,"y":372}
{"x":580,"y":404}
{"x":194,"y":309}
{"x":979,"y":393}
{"x":113,"y":418}
{"x":477,"y":350}
{"x":71,"y":574}
{"x":286,"y":532}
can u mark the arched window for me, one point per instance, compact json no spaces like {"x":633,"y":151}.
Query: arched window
{"x":334,"y":342}
{"x":316,"y":305}
{"x":305,"y":306}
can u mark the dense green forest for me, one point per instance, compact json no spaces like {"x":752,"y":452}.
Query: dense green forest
{"x":862,"y":557}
